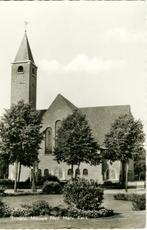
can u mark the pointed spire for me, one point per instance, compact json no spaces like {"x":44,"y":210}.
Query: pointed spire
{"x":24,"y":52}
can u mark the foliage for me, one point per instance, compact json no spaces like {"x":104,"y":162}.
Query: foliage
{"x":49,"y":177}
{"x":75,"y":143}
{"x":139,"y":202}
{"x":20,"y":134}
{"x":124,"y":196}
{"x":25,"y":212}
{"x":40,"y":208}
{"x":7,"y":183}
{"x":140,"y":166}
{"x":78,"y":213}
{"x":51,"y":187}
{"x":59,"y":211}
{"x":125,"y":139}
{"x":4,"y":209}
{"x":83,"y":194}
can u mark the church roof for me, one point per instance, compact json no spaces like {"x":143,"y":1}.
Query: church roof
{"x":101,"y":118}
{"x":24,"y":52}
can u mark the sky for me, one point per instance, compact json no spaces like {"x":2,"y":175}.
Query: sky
{"x":91,"y":52}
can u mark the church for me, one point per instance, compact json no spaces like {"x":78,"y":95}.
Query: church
{"x":23,"y":87}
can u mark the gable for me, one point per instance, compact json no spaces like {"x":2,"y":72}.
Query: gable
{"x":58,"y":110}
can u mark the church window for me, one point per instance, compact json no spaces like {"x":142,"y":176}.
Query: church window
{"x":57,"y":126}
{"x":20,"y":69}
{"x":85,"y":172}
{"x":48,"y":140}
{"x":69,"y":172}
{"x":46,"y":172}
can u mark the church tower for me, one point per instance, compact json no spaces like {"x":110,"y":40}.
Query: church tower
{"x":24,"y":75}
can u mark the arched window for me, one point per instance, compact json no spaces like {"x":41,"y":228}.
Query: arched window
{"x":20,"y":69}
{"x":69,"y":172}
{"x":85,"y":172}
{"x":77,"y":172}
{"x":46,"y":172}
{"x":57,"y":126}
{"x":48,"y":140}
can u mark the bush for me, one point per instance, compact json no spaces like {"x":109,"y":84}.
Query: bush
{"x":41,"y":179}
{"x":51,"y":187}
{"x":40,"y":207}
{"x":83,"y":194}
{"x":5,"y":211}
{"x":9,"y":184}
{"x":58,"y":211}
{"x":139,"y":202}
{"x":25,"y":212}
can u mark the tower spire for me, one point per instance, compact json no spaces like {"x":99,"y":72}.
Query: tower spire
{"x":24,"y":52}
{"x":26,"y":23}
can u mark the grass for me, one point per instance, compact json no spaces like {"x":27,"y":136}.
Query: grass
{"x":126,"y":219}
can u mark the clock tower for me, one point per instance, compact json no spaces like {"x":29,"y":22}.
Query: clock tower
{"x":24,"y":75}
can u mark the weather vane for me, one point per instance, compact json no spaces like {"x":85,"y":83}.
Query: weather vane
{"x":26,"y":23}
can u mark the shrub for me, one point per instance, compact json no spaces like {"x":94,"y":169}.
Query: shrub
{"x":49,"y":177}
{"x":51,"y":187}
{"x":139,"y":202}
{"x":22,"y":212}
{"x":83,"y":194}
{"x":40,"y":207}
{"x":5,"y":211}
{"x":58,"y":211}
{"x":9,"y":184}
{"x":78,"y":213}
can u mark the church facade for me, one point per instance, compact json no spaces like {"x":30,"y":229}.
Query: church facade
{"x":23,"y":87}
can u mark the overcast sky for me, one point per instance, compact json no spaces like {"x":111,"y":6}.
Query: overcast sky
{"x":91,"y":52}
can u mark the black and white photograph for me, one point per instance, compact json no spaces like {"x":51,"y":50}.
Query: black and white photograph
{"x":73,"y":98}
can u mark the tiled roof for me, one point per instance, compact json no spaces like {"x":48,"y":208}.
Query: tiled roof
{"x":24,"y":52}
{"x":101,"y":118}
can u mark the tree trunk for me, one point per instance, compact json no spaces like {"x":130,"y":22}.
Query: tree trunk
{"x":19,"y":173}
{"x":33,"y":179}
{"x":16,"y":175}
{"x":126,"y":176}
{"x":72,"y":171}
{"x":123,"y":174}
{"x":77,"y":170}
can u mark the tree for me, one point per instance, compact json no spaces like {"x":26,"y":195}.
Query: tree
{"x":140,"y":166}
{"x":75,"y":143}
{"x":20,"y":136}
{"x":124,"y":141}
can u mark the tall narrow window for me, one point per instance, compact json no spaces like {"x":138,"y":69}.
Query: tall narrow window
{"x":57,"y":126}
{"x":48,"y":140}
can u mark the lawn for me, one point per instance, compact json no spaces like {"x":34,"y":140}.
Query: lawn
{"x":126,"y":218}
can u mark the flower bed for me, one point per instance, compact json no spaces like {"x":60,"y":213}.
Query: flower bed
{"x":42,"y":208}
